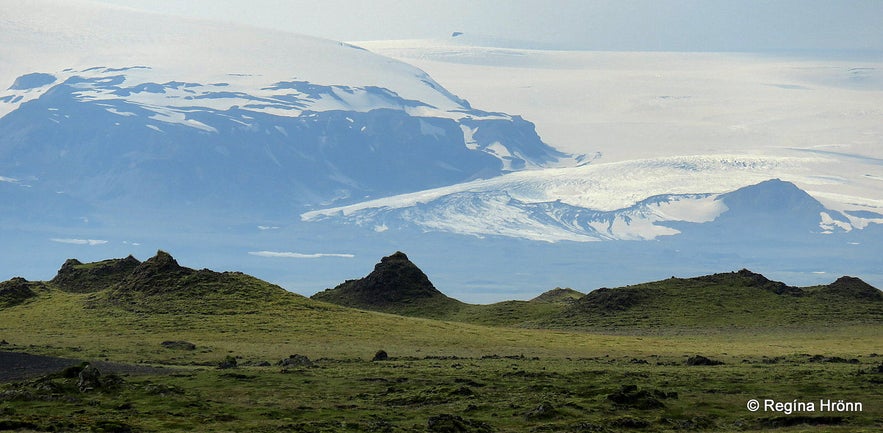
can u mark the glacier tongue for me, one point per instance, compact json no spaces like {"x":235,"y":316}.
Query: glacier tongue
{"x":596,"y":202}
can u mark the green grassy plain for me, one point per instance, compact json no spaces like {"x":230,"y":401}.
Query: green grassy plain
{"x":441,"y":375}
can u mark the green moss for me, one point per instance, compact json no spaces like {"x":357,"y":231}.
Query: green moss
{"x":459,"y":374}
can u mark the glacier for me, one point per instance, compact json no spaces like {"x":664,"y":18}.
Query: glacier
{"x":302,"y":160}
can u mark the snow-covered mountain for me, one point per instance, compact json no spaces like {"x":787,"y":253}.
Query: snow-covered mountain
{"x":324,"y":122}
{"x":299,"y":159}
{"x":594,"y":202}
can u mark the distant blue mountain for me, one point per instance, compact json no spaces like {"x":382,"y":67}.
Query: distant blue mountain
{"x":93,"y":138}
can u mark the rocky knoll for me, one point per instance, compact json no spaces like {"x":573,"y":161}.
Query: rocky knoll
{"x":75,"y":276}
{"x":396,"y":285}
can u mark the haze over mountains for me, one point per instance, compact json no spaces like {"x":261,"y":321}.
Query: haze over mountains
{"x":257,"y":150}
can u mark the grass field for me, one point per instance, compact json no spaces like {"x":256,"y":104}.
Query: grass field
{"x":441,"y":376}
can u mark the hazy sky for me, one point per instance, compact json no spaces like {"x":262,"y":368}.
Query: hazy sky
{"x":676,"y":25}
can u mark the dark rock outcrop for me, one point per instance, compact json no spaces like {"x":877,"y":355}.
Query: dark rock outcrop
{"x":396,"y":285}
{"x":381,"y":355}
{"x":89,"y":379}
{"x":746,"y":278}
{"x":75,"y":276}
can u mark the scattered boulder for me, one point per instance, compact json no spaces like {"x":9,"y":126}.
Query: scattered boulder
{"x":228,"y":362}
{"x":296,"y":361}
{"x":381,"y":355}
{"x":701,"y":360}
{"x":89,"y":379}
{"x":178,"y":345}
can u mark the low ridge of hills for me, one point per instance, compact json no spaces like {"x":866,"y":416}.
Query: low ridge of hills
{"x":157,"y":285}
{"x":740,"y":300}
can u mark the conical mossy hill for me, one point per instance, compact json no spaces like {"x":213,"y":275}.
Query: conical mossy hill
{"x":559,"y":296}
{"x":852,"y":287}
{"x":395,"y":285}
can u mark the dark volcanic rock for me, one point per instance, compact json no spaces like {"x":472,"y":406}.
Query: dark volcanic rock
{"x":395,"y":279}
{"x":160,"y":273}
{"x":89,"y":379}
{"x":381,"y":355}
{"x":296,"y":361}
{"x":396,"y":285}
{"x":747,"y":278}
{"x":75,"y":276}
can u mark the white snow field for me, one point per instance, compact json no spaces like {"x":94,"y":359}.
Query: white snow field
{"x":658,"y":122}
